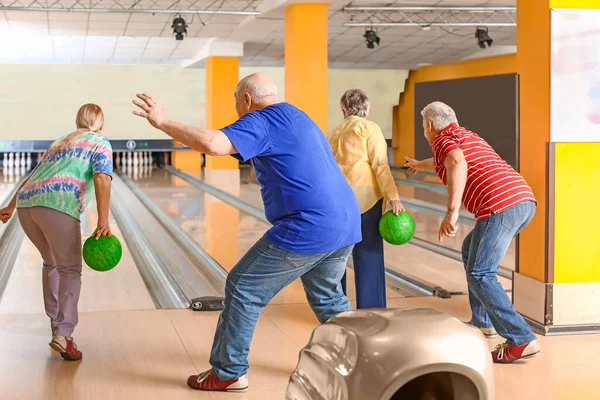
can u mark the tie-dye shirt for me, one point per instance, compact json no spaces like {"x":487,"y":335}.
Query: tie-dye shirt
{"x":64,"y":181}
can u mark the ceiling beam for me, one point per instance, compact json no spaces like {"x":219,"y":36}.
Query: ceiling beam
{"x":129,"y":10}
{"x":435,"y":9}
{"x":429,"y":24}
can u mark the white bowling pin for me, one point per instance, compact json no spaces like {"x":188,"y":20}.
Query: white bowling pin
{"x":129,"y":160}
{"x":23,"y":159}
{"x":28,"y":161}
{"x":135,"y":159}
{"x":17,"y":160}
{"x":11,"y":160}
{"x":5,"y":161}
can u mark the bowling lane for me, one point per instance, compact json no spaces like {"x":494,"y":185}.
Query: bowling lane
{"x":119,"y":289}
{"x":428,"y":225}
{"x":222,"y":230}
{"x":410,"y":259}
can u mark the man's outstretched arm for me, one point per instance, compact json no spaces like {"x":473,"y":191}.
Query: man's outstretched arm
{"x":208,"y":141}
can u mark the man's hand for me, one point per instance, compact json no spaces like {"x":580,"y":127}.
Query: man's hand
{"x":150,"y":110}
{"x":449,"y":225}
{"x":413,"y":165}
{"x":6,"y":213}
{"x":102,"y":229}
{"x":397,"y":207}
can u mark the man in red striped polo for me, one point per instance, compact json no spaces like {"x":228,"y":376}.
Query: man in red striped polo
{"x":503,"y":204}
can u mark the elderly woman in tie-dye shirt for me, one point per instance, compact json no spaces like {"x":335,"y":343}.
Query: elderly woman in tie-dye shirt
{"x":49,"y":206}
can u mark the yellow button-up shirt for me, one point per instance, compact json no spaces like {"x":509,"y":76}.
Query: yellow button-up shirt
{"x":360,"y":150}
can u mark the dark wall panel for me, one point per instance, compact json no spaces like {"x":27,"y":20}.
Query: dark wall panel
{"x":488,"y":106}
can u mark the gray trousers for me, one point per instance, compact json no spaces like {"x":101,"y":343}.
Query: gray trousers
{"x":57,"y":237}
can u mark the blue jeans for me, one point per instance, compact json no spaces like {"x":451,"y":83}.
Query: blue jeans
{"x":262,"y":273}
{"x":369,"y":266}
{"x":482,"y":251}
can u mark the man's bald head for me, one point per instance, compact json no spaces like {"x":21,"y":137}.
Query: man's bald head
{"x":255,"y":92}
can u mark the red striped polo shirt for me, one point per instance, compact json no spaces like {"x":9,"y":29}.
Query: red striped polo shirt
{"x":492,"y":185}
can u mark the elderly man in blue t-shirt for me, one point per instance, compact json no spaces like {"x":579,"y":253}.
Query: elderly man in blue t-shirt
{"x":315,"y":217}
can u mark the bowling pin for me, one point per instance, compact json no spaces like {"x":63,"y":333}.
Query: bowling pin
{"x":4,"y":161}
{"x":11,"y":160}
{"x":28,"y":161}
{"x":17,"y":160}
{"x":118,"y":160}
{"x":135,"y":159}
{"x":129,"y":159}
{"x":23,"y":159}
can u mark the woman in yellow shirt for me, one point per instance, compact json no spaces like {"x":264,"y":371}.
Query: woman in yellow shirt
{"x":361,"y":152}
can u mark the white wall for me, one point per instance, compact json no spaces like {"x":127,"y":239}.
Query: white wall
{"x":40,"y":101}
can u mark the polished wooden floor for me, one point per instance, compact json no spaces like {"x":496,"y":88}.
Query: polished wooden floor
{"x":134,"y":351}
{"x":147,"y":354}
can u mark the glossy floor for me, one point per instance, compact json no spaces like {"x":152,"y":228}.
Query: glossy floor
{"x":134,"y":351}
{"x":148,"y":354}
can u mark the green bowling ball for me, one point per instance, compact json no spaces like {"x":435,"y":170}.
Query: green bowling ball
{"x":397,"y":229}
{"x":102,"y":254}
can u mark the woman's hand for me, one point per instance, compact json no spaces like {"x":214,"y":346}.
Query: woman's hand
{"x":397,"y":207}
{"x":102,"y":229}
{"x":6,"y":213}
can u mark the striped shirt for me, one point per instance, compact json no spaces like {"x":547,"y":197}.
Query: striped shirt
{"x":492,"y":185}
{"x":64,"y":181}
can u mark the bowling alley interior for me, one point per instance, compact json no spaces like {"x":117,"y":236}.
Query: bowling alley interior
{"x":524,"y":75}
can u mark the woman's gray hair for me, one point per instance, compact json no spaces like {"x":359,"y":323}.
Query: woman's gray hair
{"x":355,"y":102}
{"x":439,"y":114}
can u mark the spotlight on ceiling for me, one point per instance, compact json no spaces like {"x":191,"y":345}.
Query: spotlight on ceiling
{"x":179,"y":27}
{"x":372,"y":38}
{"x":483,"y":38}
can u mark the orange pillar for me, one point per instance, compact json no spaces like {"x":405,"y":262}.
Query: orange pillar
{"x":533,"y":65}
{"x":222,"y":76}
{"x":222,"y":220}
{"x":306,"y":60}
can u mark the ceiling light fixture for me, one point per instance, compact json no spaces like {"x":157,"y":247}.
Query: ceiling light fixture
{"x":372,"y":38}
{"x":483,"y":38}
{"x":179,"y":27}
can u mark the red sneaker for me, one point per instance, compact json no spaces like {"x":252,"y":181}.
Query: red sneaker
{"x":507,"y":353}
{"x":66,"y":347}
{"x":208,"y":381}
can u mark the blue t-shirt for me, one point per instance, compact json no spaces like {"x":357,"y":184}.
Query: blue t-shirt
{"x":307,"y":198}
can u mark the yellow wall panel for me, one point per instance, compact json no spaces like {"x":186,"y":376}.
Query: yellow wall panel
{"x":576,"y":213}
{"x":574,"y":3}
